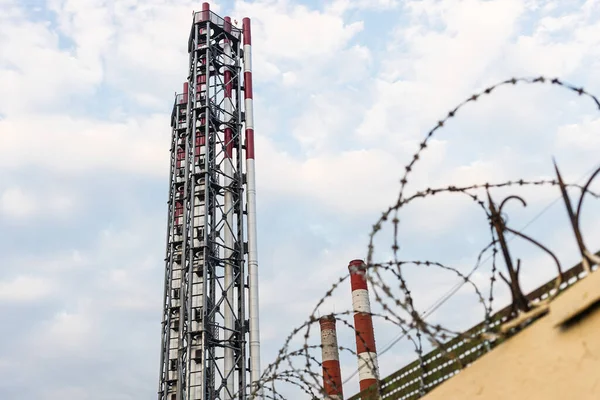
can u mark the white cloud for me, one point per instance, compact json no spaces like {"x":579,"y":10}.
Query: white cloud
{"x":341,"y":6}
{"x":583,"y":136}
{"x":67,"y":393}
{"x":20,"y":204}
{"x":16,"y":204}
{"x":283,"y":30}
{"x":348,"y":181}
{"x":139,"y":145}
{"x":67,"y":332}
{"x":25,"y":288}
{"x":302,"y":49}
{"x":61,"y":203}
{"x":26,"y":86}
{"x":436,"y":59}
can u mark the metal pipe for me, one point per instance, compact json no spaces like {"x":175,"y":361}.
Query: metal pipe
{"x":228,"y":362}
{"x":167,"y":293}
{"x":193,"y":138}
{"x":330,"y":358}
{"x":182,"y":369}
{"x":241,"y":274}
{"x":363,"y":325}
{"x":251,"y":210}
{"x":207,"y":387}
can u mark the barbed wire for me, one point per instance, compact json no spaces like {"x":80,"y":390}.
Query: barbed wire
{"x":298,"y":363}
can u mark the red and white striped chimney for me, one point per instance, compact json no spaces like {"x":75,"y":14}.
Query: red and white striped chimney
{"x":332,"y":375}
{"x":363,"y":325}
{"x":251,"y":207}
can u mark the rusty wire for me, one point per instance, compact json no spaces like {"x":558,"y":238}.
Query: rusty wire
{"x":298,"y":362}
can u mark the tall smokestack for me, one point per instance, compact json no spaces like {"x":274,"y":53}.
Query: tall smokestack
{"x":332,"y":375}
{"x":251,"y":209}
{"x":363,"y":325}
{"x":211,"y":289}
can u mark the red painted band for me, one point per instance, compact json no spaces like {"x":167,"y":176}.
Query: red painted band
{"x":205,"y":12}
{"x":357,"y":270}
{"x":358,"y":281}
{"x":247,"y":85}
{"x":227,"y":24}
{"x":332,"y":377}
{"x":249,"y":144}
{"x":365,"y":337}
{"x":367,"y":383}
{"x":246,"y":31}
{"x":327,"y":324}
{"x":228,"y":143}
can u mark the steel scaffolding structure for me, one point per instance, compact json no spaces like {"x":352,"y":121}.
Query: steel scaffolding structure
{"x":211,"y":225}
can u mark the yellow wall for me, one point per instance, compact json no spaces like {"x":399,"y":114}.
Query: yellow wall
{"x":548,"y":360}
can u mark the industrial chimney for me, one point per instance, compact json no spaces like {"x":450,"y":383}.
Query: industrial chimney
{"x":332,"y":376}
{"x":363,"y":326}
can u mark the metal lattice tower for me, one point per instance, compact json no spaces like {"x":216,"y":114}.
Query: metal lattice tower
{"x":211,"y":261}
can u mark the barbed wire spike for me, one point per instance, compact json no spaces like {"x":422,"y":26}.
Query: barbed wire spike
{"x":520,"y":303}
{"x":573,"y":218}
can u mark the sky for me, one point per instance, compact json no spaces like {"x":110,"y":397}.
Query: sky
{"x":345,"y":90}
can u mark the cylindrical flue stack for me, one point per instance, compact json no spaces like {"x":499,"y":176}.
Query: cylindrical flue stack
{"x":251,"y":211}
{"x":363,"y":325}
{"x":332,"y":376}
